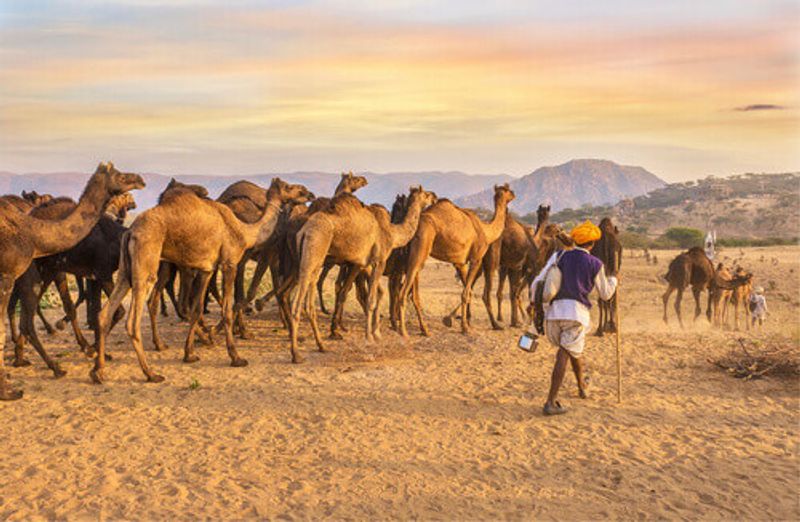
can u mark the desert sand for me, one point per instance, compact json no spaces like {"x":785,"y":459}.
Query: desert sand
{"x":447,"y":427}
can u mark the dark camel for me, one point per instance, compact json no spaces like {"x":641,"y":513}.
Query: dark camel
{"x":194,"y":233}
{"x":608,"y":249}
{"x":25,"y":238}
{"x":689,"y":268}
{"x":451,"y":234}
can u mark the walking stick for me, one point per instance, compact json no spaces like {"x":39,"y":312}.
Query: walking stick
{"x":619,"y":346}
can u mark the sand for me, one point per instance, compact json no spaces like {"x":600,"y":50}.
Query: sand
{"x":443,"y":428}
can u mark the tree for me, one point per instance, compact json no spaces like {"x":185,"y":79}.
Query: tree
{"x":684,"y":237}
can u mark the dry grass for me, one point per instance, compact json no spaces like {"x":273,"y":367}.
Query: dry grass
{"x":774,"y":356}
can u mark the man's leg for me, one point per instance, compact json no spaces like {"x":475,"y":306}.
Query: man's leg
{"x":577,"y":368}
{"x":557,"y":378}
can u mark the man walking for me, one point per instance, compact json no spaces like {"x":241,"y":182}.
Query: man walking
{"x":567,"y":318}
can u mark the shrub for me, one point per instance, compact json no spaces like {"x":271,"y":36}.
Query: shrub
{"x":631,"y":239}
{"x":682,"y":237}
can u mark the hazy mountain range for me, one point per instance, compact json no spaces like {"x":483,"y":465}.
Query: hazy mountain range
{"x":573,"y":184}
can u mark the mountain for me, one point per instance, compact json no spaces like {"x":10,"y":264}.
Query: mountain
{"x":382,"y":188}
{"x":572,"y":185}
{"x":752,"y":206}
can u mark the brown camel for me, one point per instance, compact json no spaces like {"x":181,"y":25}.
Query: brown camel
{"x":451,"y":234}
{"x":689,"y":268}
{"x":286,"y":263}
{"x":730,"y":289}
{"x":349,"y":232}
{"x":25,"y":238}
{"x":608,"y":249}
{"x":190,"y":232}
{"x":396,"y":232}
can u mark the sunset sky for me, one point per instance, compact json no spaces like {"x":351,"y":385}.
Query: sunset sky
{"x":682,"y":88}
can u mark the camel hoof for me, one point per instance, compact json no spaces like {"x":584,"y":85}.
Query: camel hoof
{"x":239,"y":363}
{"x":58,"y":372}
{"x":448,"y":321}
{"x":245,"y":335}
{"x":598,"y":333}
{"x":155,"y":378}
{"x":298,"y":359}
{"x":188,"y":359}
{"x":60,"y":324}
{"x":498,"y":327}
{"x":7,"y":394}
{"x":336,"y":336}
{"x":161,"y":347}
{"x":259,"y":305}
{"x":20,"y":363}
{"x":96,"y":376}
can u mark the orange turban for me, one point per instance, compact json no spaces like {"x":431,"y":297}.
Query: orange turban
{"x":585,"y":233}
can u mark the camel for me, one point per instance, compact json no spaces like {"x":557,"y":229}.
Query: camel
{"x":730,"y":289}
{"x":451,"y":234}
{"x":740,"y":297}
{"x":404,"y":208}
{"x":25,"y":238}
{"x":349,"y":232}
{"x":190,"y":232}
{"x":689,"y":268}
{"x":95,"y":258}
{"x":27,"y":200}
{"x":286,"y":263}
{"x":608,"y":249}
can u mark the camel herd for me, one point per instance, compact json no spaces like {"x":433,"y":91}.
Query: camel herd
{"x":203,"y":246}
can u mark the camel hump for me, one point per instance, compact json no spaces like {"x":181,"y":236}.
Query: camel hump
{"x":344,"y":202}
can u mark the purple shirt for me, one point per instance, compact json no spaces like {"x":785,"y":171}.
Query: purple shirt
{"x":578,"y":271}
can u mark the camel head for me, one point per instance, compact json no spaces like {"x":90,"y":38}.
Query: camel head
{"x":555,"y":232}
{"x":36,"y":199}
{"x":419,"y":194}
{"x":543,"y":213}
{"x":607,"y":226}
{"x":399,"y":208}
{"x":120,"y":204}
{"x":286,"y":192}
{"x":117,"y":182}
{"x":350,"y":183}
{"x":200,"y":190}
{"x":503,"y":193}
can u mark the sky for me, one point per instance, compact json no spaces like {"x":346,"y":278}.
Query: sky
{"x":682,"y":88}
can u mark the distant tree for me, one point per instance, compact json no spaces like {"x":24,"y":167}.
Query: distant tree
{"x":683,"y":237}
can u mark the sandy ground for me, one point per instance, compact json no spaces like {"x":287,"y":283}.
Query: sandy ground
{"x":443,"y":428}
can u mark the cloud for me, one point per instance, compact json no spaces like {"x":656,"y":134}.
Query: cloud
{"x":760,"y":107}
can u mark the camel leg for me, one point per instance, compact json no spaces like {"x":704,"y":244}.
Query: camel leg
{"x":6,"y":392}
{"x":395,"y":281}
{"x":121,"y":289}
{"x":678,"y":298}
{"x":419,"y":251}
{"x":258,"y":274}
{"x":229,"y":275}
{"x":514,"y":287}
{"x":665,"y":300}
{"x":195,"y":313}
{"x":611,"y":315}
{"x":342,"y":290}
{"x":697,"y":309}
{"x":320,"y":286}
{"x":304,"y":284}
{"x":11,"y":309}
{"x":372,"y":299}
{"x":415,"y":300}
{"x":376,"y":313}
{"x":153,"y":305}
{"x":69,"y":309}
{"x":142,"y":285}
{"x":461,"y":272}
{"x":501,"y":283}
{"x":487,"y":298}
{"x":29,"y":295}
{"x":311,"y":315}
{"x":466,"y":295}
{"x":81,"y":284}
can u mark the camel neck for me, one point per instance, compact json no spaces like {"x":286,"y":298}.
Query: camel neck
{"x":494,"y":229}
{"x":52,"y":237}
{"x":258,"y":232}
{"x":403,"y":232}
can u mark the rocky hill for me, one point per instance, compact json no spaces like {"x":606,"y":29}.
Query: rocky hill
{"x":571,"y":185}
{"x":382,"y":188}
{"x":751,"y":206}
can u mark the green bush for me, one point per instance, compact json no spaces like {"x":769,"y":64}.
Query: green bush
{"x":682,"y":237}
{"x":766,"y":241}
{"x":631,"y":239}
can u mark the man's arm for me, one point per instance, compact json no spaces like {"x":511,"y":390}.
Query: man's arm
{"x":606,"y":286}
{"x":540,"y":276}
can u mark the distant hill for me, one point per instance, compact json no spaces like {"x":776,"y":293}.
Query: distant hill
{"x":741,"y":206}
{"x":571,"y":185}
{"x":382,"y":188}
